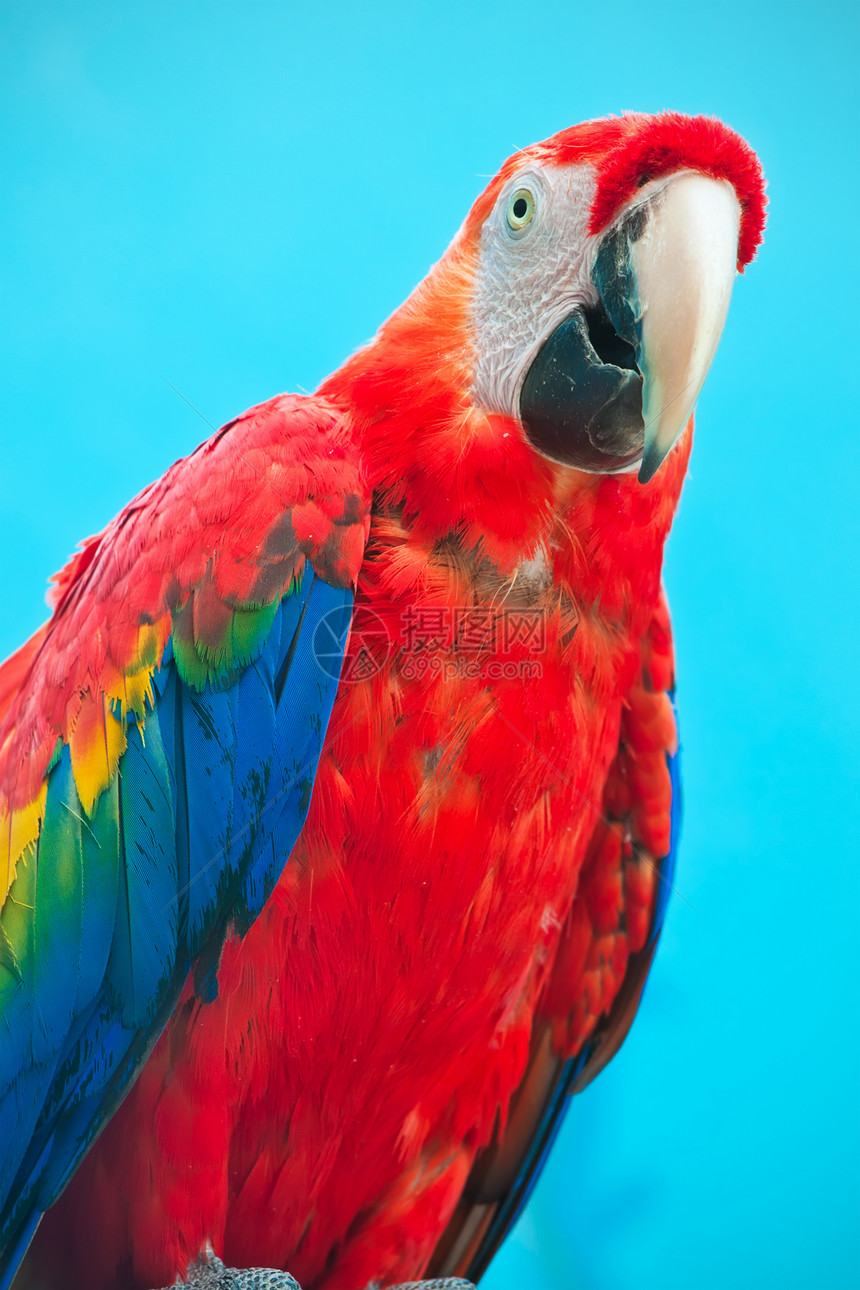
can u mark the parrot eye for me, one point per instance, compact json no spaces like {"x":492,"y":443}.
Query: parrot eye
{"x":520,"y":210}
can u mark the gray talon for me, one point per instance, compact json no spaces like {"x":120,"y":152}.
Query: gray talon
{"x":446,"y":1283}
{"x":209,"y":1273}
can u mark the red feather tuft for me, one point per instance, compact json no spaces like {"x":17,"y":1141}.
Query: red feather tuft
{"x":656,"y":145}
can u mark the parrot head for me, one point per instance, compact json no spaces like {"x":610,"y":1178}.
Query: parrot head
{"x":602,"y":285}
{"x":571,"y":324}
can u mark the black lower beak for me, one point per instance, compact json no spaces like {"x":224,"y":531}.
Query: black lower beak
{"x":581,"y":401}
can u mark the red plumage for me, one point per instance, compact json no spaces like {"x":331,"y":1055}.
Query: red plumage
{"x":465,"y":897}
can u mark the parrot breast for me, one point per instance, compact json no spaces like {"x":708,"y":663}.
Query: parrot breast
{"x":323,"y":1112}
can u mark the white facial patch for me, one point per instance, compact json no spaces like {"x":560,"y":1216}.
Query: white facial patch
{"x":530,"y":279}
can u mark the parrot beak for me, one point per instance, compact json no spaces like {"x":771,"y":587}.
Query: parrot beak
{"x":612,"y":388}
{"x":665,"y":277}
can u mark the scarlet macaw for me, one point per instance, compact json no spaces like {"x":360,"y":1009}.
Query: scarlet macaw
{"x":352,"y":1065}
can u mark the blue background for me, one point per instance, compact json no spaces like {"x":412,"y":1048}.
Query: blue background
{"x":231,"y":198}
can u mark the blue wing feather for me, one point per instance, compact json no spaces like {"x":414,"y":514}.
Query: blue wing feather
{"x":208,"y":736}
{"x":144,"y":951}
{"x":303,"y":709}
{"x":99,"y":843}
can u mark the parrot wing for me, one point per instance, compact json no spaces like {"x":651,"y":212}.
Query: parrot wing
{"x":159,"y":739}
{"x":603,"y":960}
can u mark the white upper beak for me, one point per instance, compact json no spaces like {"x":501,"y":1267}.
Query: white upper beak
{"x":684,"y":266}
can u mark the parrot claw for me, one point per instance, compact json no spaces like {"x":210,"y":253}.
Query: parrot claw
{"x":443,"y":1283}
{"x":209,"y":1273}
